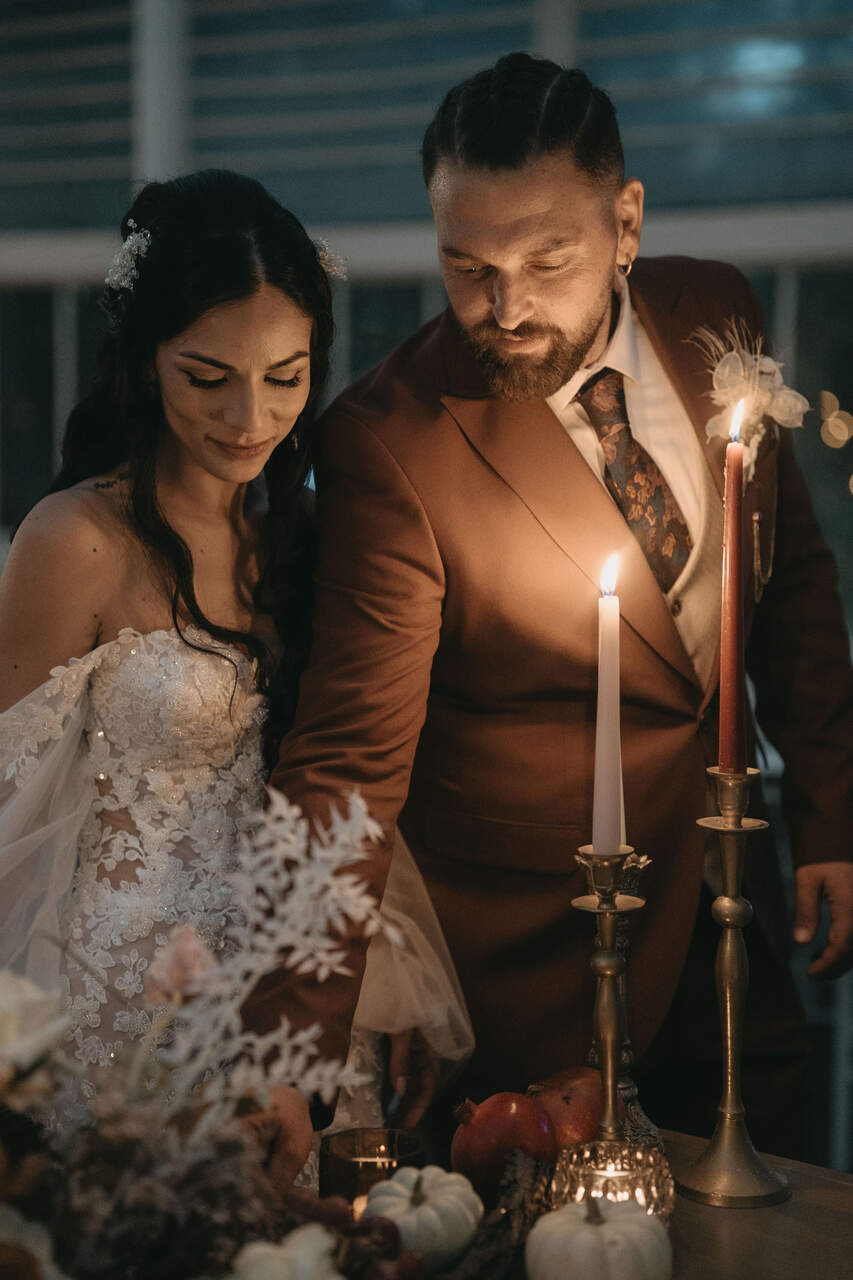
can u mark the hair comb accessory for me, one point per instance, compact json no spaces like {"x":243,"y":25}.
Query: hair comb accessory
{"x":332,"y":263}
{"x":124,"y":268}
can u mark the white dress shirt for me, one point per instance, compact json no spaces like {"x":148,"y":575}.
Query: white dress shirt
{"x":658,"y":419}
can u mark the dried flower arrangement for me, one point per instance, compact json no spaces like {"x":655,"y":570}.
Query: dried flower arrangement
{"x":156,"y":1175}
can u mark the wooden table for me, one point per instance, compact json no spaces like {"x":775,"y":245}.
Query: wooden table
{"x":809,"y":1237}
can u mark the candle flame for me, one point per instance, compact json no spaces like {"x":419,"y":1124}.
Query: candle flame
{"x":608,"y":576}
{"x":737,"y":419}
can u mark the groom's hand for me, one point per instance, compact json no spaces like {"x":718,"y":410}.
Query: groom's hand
{"x":284,"y":1133}
{"x":413,"y":1072}
{"x":834,"y":882}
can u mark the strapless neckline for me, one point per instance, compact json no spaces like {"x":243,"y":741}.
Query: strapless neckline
{"x":125,"y":634}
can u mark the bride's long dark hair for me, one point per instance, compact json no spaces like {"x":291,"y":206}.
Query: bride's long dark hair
{"x":213,"y":237}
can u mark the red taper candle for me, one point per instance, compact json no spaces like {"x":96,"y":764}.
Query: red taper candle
{"x":732,"y":676}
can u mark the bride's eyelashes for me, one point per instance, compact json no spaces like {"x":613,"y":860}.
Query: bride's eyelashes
{"x":209,"y":383}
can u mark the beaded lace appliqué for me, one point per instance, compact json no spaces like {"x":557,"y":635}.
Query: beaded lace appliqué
{"x":172,"y":758}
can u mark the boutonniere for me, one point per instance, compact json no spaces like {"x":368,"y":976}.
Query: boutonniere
{"x":741,"y":371}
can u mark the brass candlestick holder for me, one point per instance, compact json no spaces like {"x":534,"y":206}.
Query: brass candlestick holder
{"x":612,"y":1165}
{"x":638,"y":1126}
{"x":730,"y":1172}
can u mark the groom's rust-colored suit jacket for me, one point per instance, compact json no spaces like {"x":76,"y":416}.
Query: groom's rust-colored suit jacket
{"x":453,"y":678}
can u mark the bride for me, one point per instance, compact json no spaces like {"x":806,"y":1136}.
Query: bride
{"x":155,"y":607}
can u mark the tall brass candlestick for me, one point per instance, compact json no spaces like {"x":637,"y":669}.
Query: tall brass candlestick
{"x":612,"y":1165}
{"x":730,"y":1172}
{"x":608,"y":965}
{"x":604,"y":874}
{"x":638,"y":1126}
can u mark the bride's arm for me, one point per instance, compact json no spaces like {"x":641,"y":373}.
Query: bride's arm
{"x":58,"y":576}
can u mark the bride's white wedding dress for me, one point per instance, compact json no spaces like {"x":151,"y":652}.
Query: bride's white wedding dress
{"x":125,"y":782}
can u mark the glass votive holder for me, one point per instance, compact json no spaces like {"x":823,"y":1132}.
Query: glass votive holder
{"x":618,"y":1170}
{"x":354,"y":1160}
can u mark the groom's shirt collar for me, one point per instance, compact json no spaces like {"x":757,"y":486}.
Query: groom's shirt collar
{"x":620,"y":353}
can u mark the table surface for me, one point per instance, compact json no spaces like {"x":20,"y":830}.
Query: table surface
{"x":809,"y":1236}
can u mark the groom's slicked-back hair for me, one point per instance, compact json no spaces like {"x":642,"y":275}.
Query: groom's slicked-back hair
{"x":521,"y":108}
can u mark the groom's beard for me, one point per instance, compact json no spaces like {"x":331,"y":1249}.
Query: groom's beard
{"x":530,"y":377}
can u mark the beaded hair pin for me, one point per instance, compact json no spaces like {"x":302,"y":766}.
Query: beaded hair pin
{"x":332,"y":263}
{"x":124,"y":268}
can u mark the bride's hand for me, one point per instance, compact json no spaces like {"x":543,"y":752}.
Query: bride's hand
{"x":285,"y":1134}
{"x":413,"y":1073}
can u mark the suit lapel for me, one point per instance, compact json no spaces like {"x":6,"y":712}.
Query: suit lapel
{"x":527,"y":446}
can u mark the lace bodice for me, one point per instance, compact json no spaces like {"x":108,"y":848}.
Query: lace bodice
{"x":161,"y":770}
{"x":126,"y":781}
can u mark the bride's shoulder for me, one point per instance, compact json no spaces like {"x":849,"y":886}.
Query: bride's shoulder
{"x":84,"y":522}
{"x":64,"y":569}
{"x":67,"y":561}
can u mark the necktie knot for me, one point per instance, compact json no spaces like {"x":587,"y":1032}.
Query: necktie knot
{"x":603,"y":398}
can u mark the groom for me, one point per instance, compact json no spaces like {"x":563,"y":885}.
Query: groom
{"x":471,"y":489}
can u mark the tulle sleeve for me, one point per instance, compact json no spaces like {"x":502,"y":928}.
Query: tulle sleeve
{"x":414,"y":985}
{"x":45,"y":796}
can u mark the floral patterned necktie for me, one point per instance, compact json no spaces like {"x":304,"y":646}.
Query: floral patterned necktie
{"x":634,"y":480}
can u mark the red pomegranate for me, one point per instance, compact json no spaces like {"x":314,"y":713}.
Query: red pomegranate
{"x":572,"y":1099}
{"x":489,"y":1131}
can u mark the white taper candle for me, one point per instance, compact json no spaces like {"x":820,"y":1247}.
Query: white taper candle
{"x":607,"y":805}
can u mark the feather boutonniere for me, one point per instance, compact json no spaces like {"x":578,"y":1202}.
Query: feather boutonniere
{"x":741,"y":371}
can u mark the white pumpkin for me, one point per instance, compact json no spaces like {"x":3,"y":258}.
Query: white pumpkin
{"x":304,"y":1254}
{"x":437,"y":1213}
{"x":601,"y":1239}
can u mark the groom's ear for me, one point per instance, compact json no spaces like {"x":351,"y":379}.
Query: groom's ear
{"x":629,"y":218}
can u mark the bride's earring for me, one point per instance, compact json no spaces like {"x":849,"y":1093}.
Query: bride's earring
{"x":294,"y":440}
{"x":625,"y":267}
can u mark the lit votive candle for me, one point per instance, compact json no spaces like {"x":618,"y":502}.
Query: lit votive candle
{"x":354,"y":1160}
